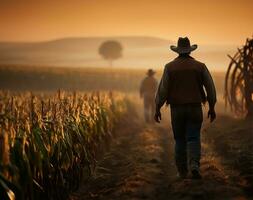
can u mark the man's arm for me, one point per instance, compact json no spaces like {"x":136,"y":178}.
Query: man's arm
{"x":161,"y":94}
{"x":211,"y":93}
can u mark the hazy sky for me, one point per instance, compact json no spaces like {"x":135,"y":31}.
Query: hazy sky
{"x":204,"y":21}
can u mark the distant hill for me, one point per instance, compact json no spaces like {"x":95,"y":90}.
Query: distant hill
{"x":138,"y":52}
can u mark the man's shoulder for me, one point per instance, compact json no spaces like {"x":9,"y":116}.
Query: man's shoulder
{"x":175,"y":60}
{"x":194,"y":60}
{"x":144,"y":79}
{"x":198,"y":62}
{"x":169,"y":64}
{"x":190,"y":60}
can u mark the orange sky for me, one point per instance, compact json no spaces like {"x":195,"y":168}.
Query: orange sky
{"x":204,"y":21}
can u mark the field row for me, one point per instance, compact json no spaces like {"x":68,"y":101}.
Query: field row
{"x":20,"y":78}
{"x":50,"y":142}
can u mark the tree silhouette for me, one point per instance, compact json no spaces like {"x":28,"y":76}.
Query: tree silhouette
{"x":110,"y":50}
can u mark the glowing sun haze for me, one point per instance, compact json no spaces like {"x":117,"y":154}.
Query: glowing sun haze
{"x":204,"y":21}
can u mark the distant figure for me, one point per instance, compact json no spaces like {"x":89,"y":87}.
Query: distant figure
{"x":181,"y":86}
{"x":147,"y":92}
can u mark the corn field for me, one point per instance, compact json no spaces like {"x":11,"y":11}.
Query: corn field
{"x":49,"y":143}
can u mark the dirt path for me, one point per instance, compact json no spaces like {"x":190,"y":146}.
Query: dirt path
{"x":140,"y":165}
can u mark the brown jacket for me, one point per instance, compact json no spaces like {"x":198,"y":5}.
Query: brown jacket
{"x":183,"y":81}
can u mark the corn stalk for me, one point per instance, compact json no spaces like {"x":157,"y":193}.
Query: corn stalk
{"x":49,"y":143}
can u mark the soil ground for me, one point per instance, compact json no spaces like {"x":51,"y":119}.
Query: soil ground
{"x":140,"y":165}
{"x":232,"y":139}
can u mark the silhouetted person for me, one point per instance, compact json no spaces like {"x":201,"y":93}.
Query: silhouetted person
{"x":181,"y":86}
{"x":147,"y":92}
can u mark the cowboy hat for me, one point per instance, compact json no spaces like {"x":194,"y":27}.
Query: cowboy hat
{"x":150,"y":72}
{"x":183,"y":46}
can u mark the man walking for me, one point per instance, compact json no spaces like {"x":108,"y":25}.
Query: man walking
{"x":147,"y":92}
{"x":181,"y":86}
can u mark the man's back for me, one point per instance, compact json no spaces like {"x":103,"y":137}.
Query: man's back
{"x":185,"y":81}
{"x":182,"y":83}
{"x":148,"y":86}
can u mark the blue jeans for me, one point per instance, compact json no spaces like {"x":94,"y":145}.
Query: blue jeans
{"x":186,"y":123}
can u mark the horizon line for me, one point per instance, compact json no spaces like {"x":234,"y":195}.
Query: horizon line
{"x":117,"y":36}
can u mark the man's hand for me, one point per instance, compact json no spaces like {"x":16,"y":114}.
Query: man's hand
{"x":158,"y":116}
{"x":211,"y":114}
